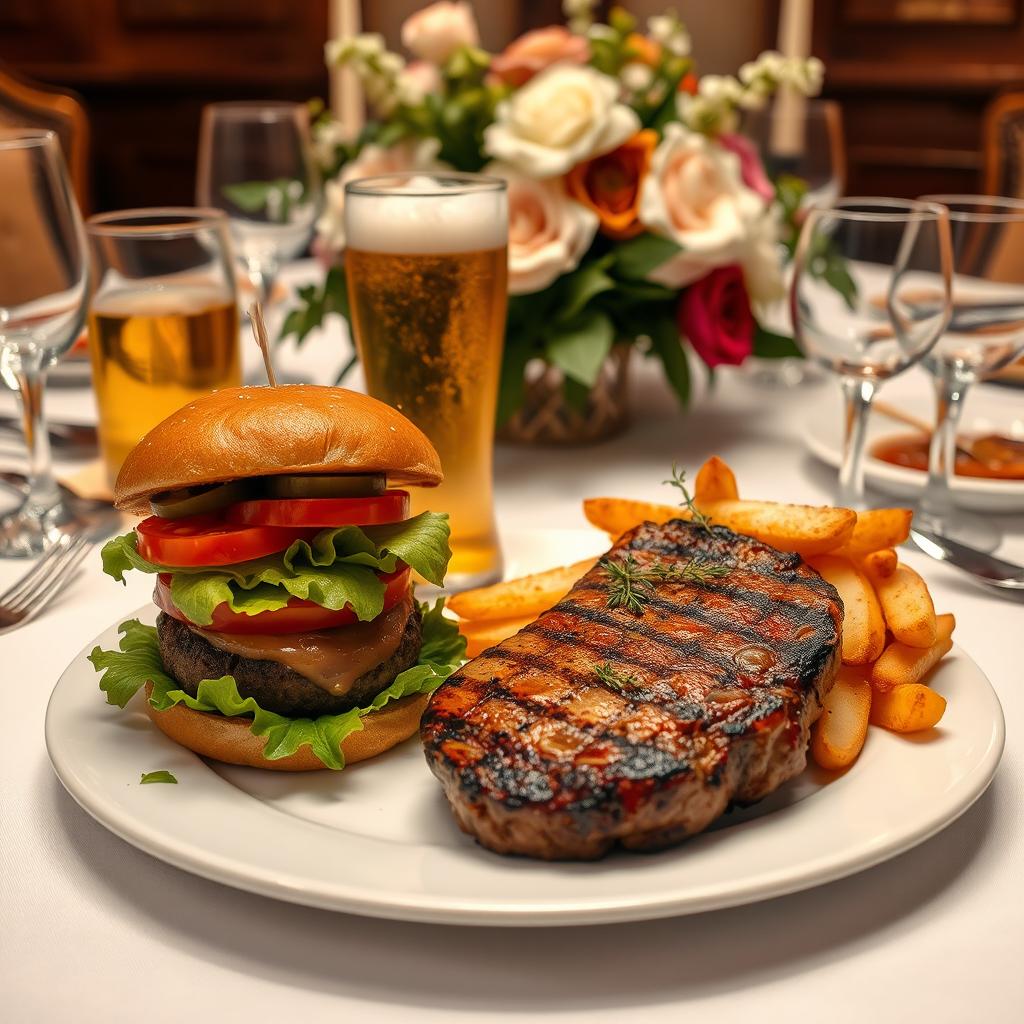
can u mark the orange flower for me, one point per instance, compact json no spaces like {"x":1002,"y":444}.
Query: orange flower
{"x":610,"y":184}
{"x":644,"y":50}
{"x":688,"y":83}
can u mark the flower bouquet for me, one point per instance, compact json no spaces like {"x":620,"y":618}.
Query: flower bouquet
{"x":638,"y":216}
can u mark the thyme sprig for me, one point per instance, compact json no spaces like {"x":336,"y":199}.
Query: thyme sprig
{"x":678,"y":479}
{"x":632,"y":584}
{"x":614,"y":678}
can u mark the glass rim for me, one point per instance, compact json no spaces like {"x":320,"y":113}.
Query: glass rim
{"x":270,"y":109}
{"x":873,"y":209}
{"x":25,"y":138}
{"x":465,"y":184}
{"x":1012,"y":212}
{"x":176,"y":221}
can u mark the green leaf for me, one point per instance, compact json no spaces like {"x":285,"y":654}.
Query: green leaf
{"x":668,"y":346}
{"x":512,"y":385}
{"x":336,"y":568}
{"x":148,"y":778}
{"x":442,"y":650}
{"x":644,"y":292}
{"x":639,"y":256}
{"x":275,"y":197}
{"x":839,"y":278}
{"x":579,"y":287}
{"x":771,"y":345}
{"x":580,"y":347}
{"x":577,"y":396}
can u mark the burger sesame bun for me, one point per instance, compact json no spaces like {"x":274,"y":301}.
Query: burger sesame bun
{"x":229,"y":739}
{"x":263,"y":431}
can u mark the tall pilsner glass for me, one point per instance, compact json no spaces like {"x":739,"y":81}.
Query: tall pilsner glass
{"x":427,"y":278}
{"x":163,"y":321}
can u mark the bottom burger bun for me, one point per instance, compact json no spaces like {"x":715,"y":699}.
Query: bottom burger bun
{"x":229,"y":739}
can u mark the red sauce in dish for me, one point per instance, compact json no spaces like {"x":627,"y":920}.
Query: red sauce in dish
{"x":911,"y":452}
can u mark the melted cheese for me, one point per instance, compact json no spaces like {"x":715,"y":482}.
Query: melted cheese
{"x":332,"y":659}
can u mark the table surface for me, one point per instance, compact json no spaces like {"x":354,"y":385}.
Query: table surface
{"x":94,"y":930}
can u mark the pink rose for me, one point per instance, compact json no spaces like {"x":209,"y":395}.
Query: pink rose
{"x":436,"y":32}
{"x":537,"y":50}
{"x":714,"y":314}
{"x":751,"y":168}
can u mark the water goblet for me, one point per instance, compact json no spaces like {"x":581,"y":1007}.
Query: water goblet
{"x":862,"y":321}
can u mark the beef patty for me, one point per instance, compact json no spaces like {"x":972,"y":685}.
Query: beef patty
{"x":190,"y":659}
{"x":595,"y":725}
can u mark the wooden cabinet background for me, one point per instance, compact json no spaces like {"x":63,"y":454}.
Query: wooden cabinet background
{"x":144,"y":69}
{"x":913,"y":78}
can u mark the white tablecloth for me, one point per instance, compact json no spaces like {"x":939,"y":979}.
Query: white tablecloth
{"x":92,"y":930}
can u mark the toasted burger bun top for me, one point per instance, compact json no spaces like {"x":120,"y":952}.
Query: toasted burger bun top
{"x":229,"y":739}
{"x":264,"y":431}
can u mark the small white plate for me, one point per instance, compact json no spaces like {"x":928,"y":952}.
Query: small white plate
{"x":1003,"y":413}
{"x":378,"y":839}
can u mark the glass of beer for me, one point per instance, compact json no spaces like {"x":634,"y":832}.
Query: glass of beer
{"x":163,"y":320}
{"x":427,"y":277}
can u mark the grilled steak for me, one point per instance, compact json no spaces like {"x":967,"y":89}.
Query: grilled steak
{"x":596,"y":725}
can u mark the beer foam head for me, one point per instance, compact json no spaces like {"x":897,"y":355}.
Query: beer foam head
{"x":425,"y":214}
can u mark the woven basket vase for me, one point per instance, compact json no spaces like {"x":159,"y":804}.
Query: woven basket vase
{"x":546,"y":418}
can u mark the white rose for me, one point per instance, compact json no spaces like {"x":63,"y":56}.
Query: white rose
{"x":695,"y":196}
{"x":436,"y":32}
{"x":762,"y":260}
{"x":562,"y":116}
{"x":548,"y":232}
{"x":372,"y":160}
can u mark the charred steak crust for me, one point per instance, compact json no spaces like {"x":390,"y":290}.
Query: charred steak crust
{"x":717,"y":686}
{"x":190,"y":658}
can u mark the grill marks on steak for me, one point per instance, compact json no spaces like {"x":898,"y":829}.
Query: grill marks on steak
{"x":538,"y":756}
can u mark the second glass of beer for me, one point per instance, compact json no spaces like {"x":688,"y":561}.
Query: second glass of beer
{"x":163,"y":321}
{"x":426,"y":265}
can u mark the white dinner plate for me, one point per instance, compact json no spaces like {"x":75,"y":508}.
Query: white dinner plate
{"x":989,"y":410}
{"x":378,"y":839}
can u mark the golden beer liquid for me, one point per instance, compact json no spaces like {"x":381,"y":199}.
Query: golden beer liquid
{"x":430,"y":331}
{"x":152,"y":353}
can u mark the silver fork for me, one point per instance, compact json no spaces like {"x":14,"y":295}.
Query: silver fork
{"x":34,"y":591}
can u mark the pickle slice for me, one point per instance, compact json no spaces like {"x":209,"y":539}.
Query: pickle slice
{"x":352,"y":485}
{"x":198,"y":501}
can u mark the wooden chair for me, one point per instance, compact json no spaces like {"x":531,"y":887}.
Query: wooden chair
{"x":28,"y":104}
{"x":1003,"y":146}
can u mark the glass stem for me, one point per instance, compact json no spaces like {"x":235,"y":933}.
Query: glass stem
{"x":949,"y":394}
{"x":857,"y":396}
{"x":43,"y":493}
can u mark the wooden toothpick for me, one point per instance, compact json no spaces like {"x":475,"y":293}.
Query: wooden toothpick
{"x":259,"y":330}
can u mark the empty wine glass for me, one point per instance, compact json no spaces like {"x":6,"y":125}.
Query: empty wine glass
{"x":985,"y":334}
{"x":42,"y":304}
{"x":862,"y":320}
{"x":256,"y":163}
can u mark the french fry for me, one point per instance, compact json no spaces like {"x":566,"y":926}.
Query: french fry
{"x":807,"y":529}
{"x":881,"y":564}
{"x":863,"y":622}
{"x":907,"y":708}
{"x":617,"y":515}
{"x":519,"y":598}
{"x":877,"y":528}
{"x":839,"y":734}
{"x":482,"y":634}
{"x":906,"y":604}
{"x":715,"y":480}
{"x":900,"y":665}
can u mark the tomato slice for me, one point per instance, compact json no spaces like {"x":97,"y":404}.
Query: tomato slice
{"x":209,"y":540}
{"x":297,"y":616}
{"x":389,"y":507}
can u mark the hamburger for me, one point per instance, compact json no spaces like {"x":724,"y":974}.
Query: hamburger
{"x":282,"y":550}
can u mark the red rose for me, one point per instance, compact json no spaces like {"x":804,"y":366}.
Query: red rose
{"x":714,"y":314}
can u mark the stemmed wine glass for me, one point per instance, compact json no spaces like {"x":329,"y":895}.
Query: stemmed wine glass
{"x":43,"y":287}
{"x":864,"y":321}
{"x":256,"y":163}
{"x":985,"y":334}
{"x":800,"y":149}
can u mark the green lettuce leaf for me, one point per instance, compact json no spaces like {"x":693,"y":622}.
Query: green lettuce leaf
{"x":337,"y":568}
{"x":124,"y":671}
{"x":149,"y":778}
